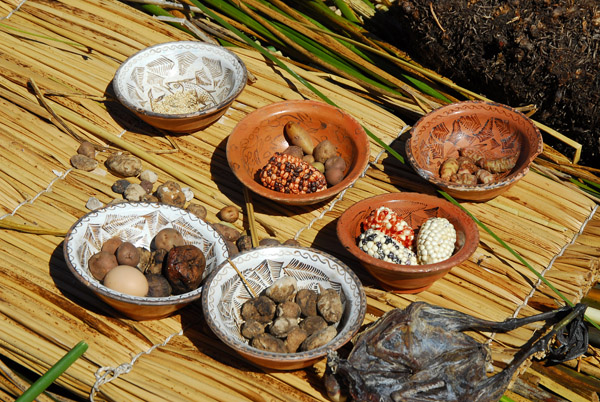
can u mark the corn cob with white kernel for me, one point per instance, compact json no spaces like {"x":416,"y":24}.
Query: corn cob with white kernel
{"x":435,"y":241}
{"x":384,"y":247}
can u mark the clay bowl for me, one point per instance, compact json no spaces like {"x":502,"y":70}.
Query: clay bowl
{"x":257,"y":137}
{"x":496,"y":130}
{"x":415,"y":209}
{"x":225,"y":292}
{"x":156,"y":83}
{"x":138,"y":223}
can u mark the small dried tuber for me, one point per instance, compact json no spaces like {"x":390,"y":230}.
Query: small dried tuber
{"x":319,"y":338}
{"x":307,"y":300}
{"x":184,"y":268}
{"x":252,"y":328}
{"x":261,"y":309}
{"x":449,"y":168}
{"x":329,"y":305}
{"x":282,"y":289}
{"x":268,"y":343}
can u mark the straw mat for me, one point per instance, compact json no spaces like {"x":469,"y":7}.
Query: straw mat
{"x":69,"y":50}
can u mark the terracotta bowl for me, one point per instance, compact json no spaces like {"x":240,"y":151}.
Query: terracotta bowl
{"x":208,"y":76}
{"x":225,"y":292}
{"x":415,"y":209}
{"x":138,"y":223}
{"x":261,"y":133}
{"x":496,"y":130}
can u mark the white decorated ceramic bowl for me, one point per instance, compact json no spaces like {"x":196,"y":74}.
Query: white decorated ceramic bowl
{"x":138,"y":223}
{"x":225,"y":292}
{"x":180,"y":86}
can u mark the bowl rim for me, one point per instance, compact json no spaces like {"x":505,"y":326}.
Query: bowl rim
{"x":457,"y":258}
{"x":449,"y":109}
{"x":97,"y":287}
{"x":233,"y":58}
{"x":361,"y":142}
{"x":350,"y":330}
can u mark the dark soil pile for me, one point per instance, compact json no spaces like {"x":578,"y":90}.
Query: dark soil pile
{"x":518,"y":52}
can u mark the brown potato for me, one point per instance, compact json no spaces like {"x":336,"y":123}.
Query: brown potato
{"x":128,"y":254}
{"x":167,"y":238}
{"x":334,"y":176}
{"x":294,"y":150}
{"x":229,"y":214}
{"x":100,"y":263}
{"x":112,"y":244}
{"x":335,"y":162}
{"x":229,"y":233}
{"x":324,"y":150}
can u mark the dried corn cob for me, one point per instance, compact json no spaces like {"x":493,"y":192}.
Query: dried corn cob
{"x":435,"y":241}
{"x":383,"y":247}
{"x":288,"y":174}
{"x":390,"y":223}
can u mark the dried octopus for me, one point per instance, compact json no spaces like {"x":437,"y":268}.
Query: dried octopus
{"x":420,"y":354}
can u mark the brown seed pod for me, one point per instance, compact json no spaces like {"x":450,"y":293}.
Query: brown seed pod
{"x":184,"y":268}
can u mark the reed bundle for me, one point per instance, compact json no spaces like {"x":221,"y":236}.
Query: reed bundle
{"x":44,"y":312}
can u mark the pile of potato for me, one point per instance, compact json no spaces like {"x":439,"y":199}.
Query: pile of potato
{"x":323,"y":156}
{"x":285,"y":320}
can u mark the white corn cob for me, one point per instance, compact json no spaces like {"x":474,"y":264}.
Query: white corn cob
{"x":383,"y":247}
{"x":435,"y":241}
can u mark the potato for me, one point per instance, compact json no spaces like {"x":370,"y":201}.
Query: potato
{"x":294,"y":150}
{"x":100,"y":263}
{"x":319,"y":166}
{"x":112,"y":244}
{"x":128,"y":254}
{"x":334,"y":176}
{"x":308,"y":159}
{"x":324,"y":150}
{"x":335,"y":162}
{"x":229,"y":233}
{"x":167,"y":238}
{"x":229,"y":214}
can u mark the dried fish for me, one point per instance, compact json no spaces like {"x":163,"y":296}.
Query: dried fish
{"x":421,"y":354}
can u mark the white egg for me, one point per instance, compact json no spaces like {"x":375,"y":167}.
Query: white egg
{"x":127,"y":279}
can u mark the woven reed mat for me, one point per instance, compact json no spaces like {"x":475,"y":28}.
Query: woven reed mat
{"x":43,"y":310}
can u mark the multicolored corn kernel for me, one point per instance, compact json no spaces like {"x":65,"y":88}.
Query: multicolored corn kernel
{"x":387,"y":221}
{"x":383,"y":247}
{"x":288,"y":174}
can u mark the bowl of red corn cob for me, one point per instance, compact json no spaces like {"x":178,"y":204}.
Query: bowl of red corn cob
{"x":407,"y":241}
{"x":298,"y":152}
{"x":473,"y":150}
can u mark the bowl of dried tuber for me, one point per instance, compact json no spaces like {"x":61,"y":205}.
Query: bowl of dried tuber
{"x":407,"y":241}
{"x":473,"y":150}
{"x":298,"y":152}
{"x":284,"y":307}
{"x":146,"y":260}
{"x":180,"y":86}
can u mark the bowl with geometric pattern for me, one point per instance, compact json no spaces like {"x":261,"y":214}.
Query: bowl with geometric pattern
{"x":180,"y":86}
{"x":138,"y":223}
{"x":497,"y":142}
{"x":247,"y":275}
